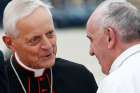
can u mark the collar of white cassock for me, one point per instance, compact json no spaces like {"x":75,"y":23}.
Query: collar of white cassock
{"x":37,"y":72}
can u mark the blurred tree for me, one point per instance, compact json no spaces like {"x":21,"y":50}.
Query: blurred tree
{"x":64,"y":3}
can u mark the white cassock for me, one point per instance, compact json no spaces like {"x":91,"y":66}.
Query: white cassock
{"x":124,"y":74}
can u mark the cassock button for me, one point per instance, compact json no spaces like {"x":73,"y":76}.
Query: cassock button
{"x":44,"y":90}
{"x":42,"y":78}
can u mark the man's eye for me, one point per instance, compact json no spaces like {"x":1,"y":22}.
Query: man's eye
{"x":34,"y":41}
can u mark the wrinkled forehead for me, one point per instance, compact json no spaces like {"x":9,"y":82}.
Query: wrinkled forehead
{"x":38,"y":22}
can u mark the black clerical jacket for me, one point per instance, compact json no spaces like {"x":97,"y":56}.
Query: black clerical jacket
{"x":3,"y":76}
{"x":68,"y":77}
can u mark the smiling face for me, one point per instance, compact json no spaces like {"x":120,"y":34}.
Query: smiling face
{"x":36,"y":42}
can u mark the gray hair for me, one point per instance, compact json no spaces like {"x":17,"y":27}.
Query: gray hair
{"x":123,"y":17}
{"x":16,"y":10}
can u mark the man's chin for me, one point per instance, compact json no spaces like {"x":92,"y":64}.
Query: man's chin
{"x":48,"y":63}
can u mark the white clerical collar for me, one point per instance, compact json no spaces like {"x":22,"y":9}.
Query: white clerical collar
{"x":37,"y":72}
{"x":124,"y":56}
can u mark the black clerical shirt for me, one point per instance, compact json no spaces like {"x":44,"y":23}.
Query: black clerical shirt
{"x":68,"y":77}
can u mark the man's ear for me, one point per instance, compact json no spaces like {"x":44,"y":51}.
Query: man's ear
{"x":111,"y":37}
{"x":8,"y":42}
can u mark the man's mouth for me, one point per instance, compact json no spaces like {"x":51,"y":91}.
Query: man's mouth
{"x":47,"y":56}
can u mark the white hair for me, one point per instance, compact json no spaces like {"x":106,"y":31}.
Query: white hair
{"x":121,"y":15}
{"x":16,"y":10}
{"x":103,"y":9}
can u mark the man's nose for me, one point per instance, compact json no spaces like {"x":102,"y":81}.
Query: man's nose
{"x":91,"y":52}
{"x":46,"y":44}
